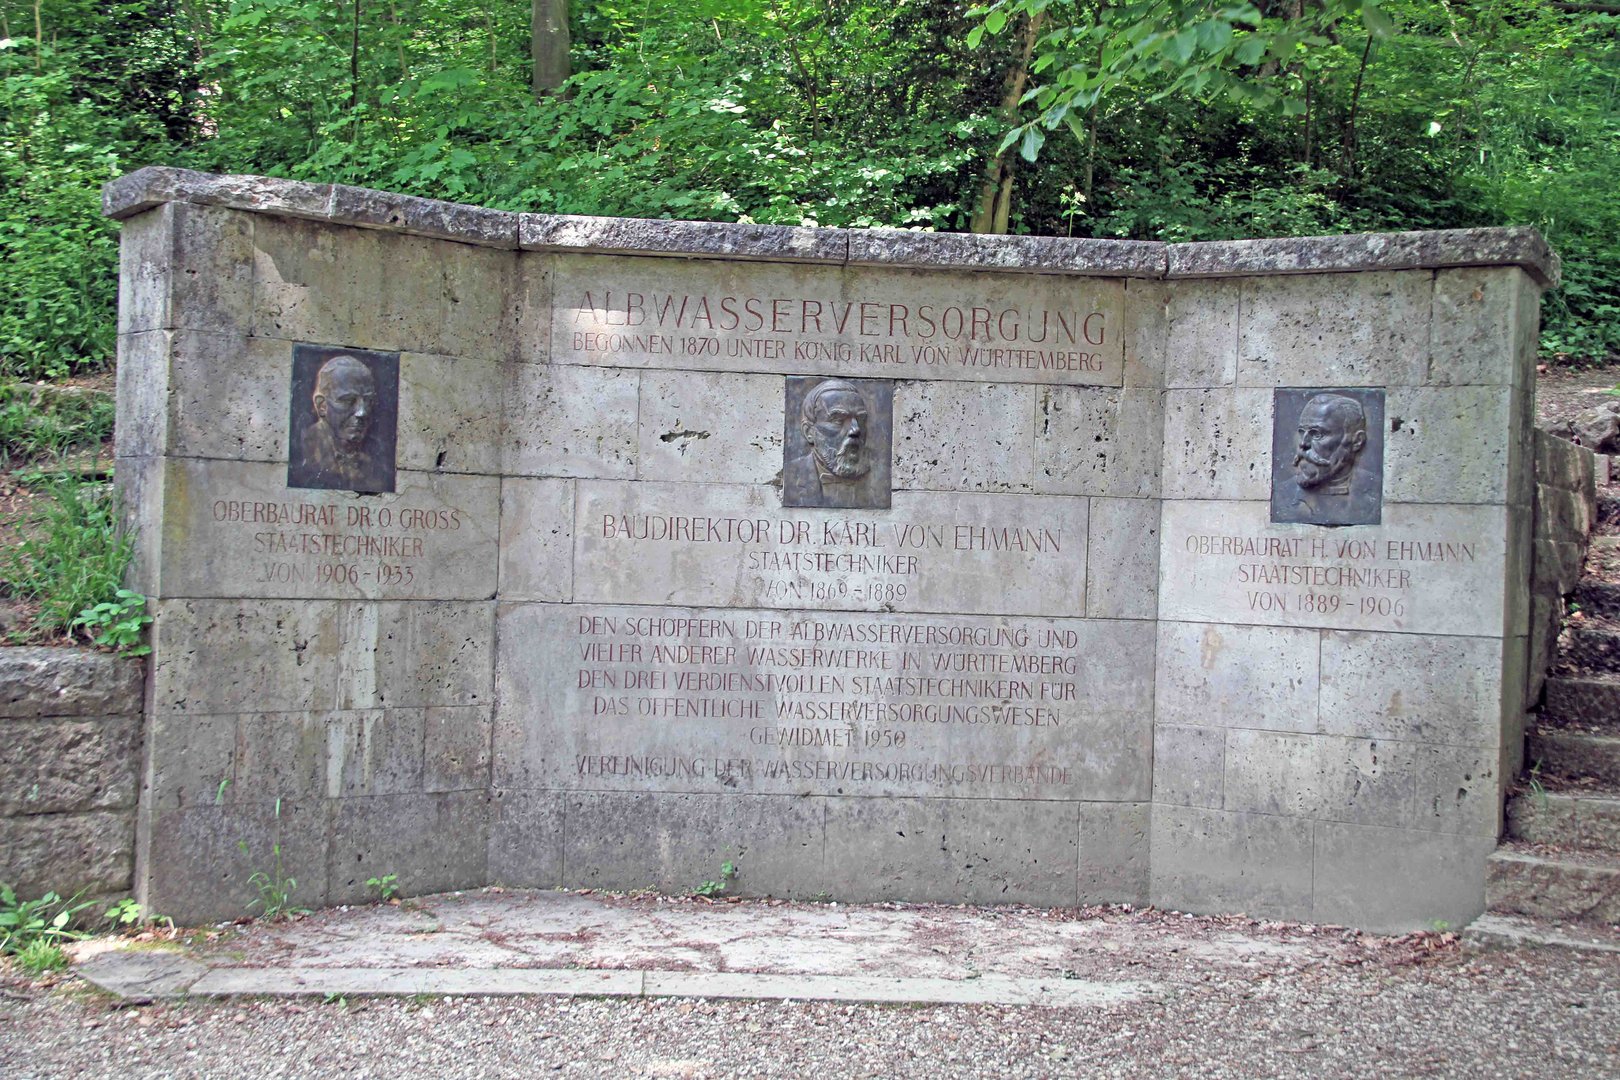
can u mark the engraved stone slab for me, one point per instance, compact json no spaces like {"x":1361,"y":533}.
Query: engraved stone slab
{"x":234,"y":529}
{"x":616,"y":698}
{"x":837,"y":442}
{"x":1426,"y":569}
{"x":732,"y":546}
{"x":1327,"y":456}
{"x":761,"y":317}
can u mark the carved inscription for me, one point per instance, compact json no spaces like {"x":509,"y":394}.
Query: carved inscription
{"x":980,"y":554}
{"x":250,"y":536}
{"x":1416,"y":574}
{"x":717,"y":699}
{"x":762,"y":317}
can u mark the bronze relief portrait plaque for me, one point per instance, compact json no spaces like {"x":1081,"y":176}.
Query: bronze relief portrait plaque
{"x":1327,"y":456}
{"x":837,"y":444}
{"x":344,"y":420}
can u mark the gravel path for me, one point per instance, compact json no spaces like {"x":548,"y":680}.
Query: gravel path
{"x":1240,"y":999}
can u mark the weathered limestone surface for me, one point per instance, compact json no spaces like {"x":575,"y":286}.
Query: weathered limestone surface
{"x":1073,"y":661}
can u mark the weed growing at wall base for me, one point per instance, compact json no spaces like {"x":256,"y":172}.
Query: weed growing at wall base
{"x":74,"y":560}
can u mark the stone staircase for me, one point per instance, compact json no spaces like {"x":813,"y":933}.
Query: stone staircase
{"x":1561,"y":857}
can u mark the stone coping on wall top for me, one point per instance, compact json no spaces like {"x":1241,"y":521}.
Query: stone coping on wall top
{"x":153,"y":186}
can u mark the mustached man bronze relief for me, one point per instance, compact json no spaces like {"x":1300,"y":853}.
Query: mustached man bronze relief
{"x":1327,"y":456}
{"x":344,"y":419}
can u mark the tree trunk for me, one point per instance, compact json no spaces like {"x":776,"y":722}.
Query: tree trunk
{"x":548,"y":44}
{"x":995,"y":192}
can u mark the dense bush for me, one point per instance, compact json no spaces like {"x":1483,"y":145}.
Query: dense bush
{"x":1403,"y":114}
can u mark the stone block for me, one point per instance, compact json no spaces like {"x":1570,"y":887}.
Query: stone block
{"x":450,"y":414}
{"x":190,"y":761}
{"x":229,"y":656}
{"x":964,"y":437}
{"x":1368,"y":781}
{"x":1447,"y":445}
{"x":199,"y":860}
{"x":1397,"y":880}
{"x":234,"y":529}
{"x":1425,"y":570}
{"x":525,"y":838}
{"x":710,"y":315}
{"x":1412,"y":688}
{"x":434,"y":842}
{"x":1217,"y":444}
{"x":423,"y":217}
{"x":1201,"y":348}
{"x":281,"y":756}
{"x":1098,"y":441}
{"x":1213,"y":860}
{"x":537,"y":539}
{"x":531,"y":297}
{"x":456,"y":749}
{"x":1122,"y":569}
{"x":889,"y":849}
{"x":189,"y":267}
{"x":67,"y":766}
{"x":1335,"y":330}
{"x":675,"y":842}
{"x":416,"y":654}
{"x":1475,"y":335}
{"x":373,"y":752}
{"x":1146,"y":323}
{"x":576,"y":233}
{"x":1273,"y":772}
{"x":138,"y":483}
{"x":1557,"y":565}
{"x":41,"y":682}
{"x":704,"y":427}
{"x":1562,"y":515}
{"x":1001,"y":852}
{"x":1044,"y":254}
{"x":1213,"y":675}
{"x":142,"y":371}
{"x":1459,"y":789}
{"x":145,"y":259}
{"x":325,"y":284}
{"x":570,"y":421}
{"x":151,"y":186}
{"x":1322,"y":255}
{"x":1114,"y":853}
{"x":1560,"y":463}
{"x":1189,"y":765}
{"x":66,"y":853}
{"x":964,"y":552}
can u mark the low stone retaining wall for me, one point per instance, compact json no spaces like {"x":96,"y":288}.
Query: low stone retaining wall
{"x":1566,"y":509}
{"x":70,"y":722}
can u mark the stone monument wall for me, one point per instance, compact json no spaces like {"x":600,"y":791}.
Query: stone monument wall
{"x":536,"y":550}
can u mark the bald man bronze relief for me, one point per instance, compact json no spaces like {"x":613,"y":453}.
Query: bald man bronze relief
{"x":836,"y":446}
{"x":344,"y":418}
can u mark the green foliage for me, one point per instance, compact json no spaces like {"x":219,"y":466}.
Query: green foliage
{"x":125,"y":912}
{"x":45,"y":921}
{"x":40,"y":422}
{"x":386,"y":887}
{"x":117,"y":624}
{"x":40,"y":956}
{"x":273,"y":885}
{"x":728,"y":874}
{"x":75,"y":560}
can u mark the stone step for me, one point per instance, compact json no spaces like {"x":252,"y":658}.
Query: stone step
{"x":1558,"y":753}
{"x":1599,"y":598}
{"x":1586,"y":700}
{"x":1584,"y":820}
{"x":1522,"y":879}
{"x":1608,"y":508}
{"x":1590,"y":648}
